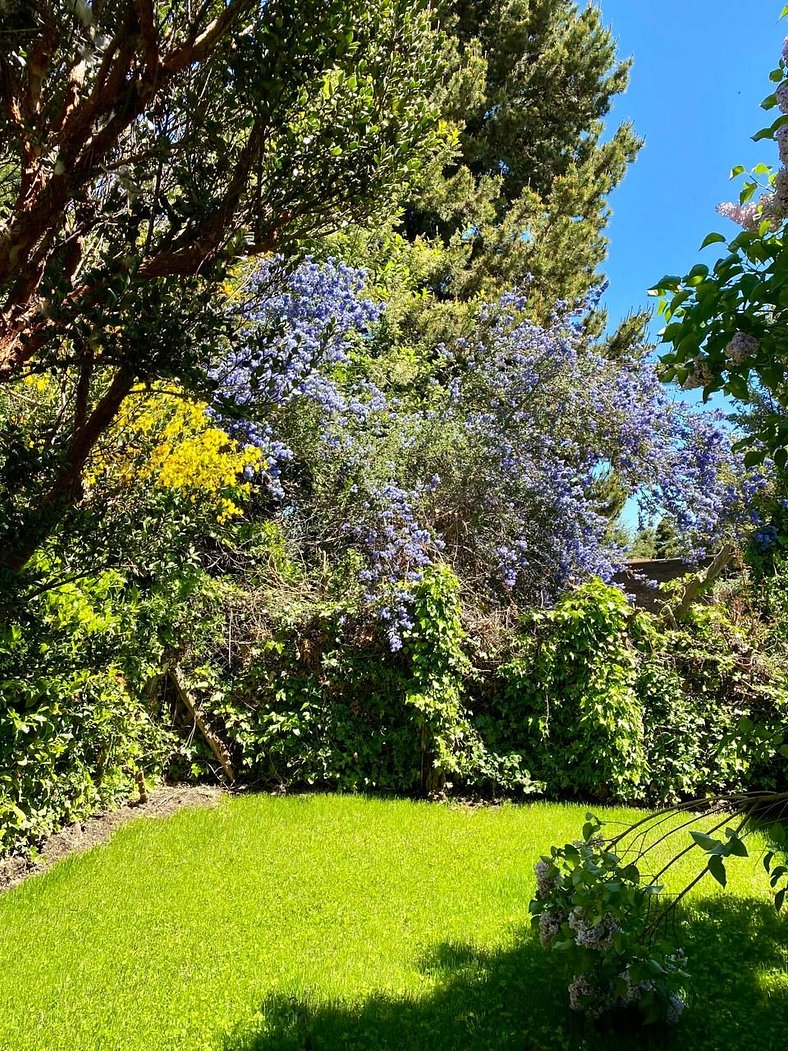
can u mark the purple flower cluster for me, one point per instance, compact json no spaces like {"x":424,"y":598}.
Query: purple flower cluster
{"x":298,"y":327}
{"x":547,"y":417}
{"x":398,"y":548}
{"x":523,"y":421}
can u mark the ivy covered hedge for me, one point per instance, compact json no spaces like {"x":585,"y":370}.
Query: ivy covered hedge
{"x":590,"y":700}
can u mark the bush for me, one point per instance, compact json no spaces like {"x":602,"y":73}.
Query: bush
{"x":322,"y":700}
{"x":77,"y":728}
{"x":592,"y":908}
{"x":606,"y":702}
{"x":569,"y":694}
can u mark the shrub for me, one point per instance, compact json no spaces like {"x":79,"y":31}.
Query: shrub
{"x":571,"y":691}
{"x":77,"y":729}
{"x":322,"y":700}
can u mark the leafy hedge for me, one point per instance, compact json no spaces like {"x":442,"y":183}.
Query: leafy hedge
{"x":606,"y":702}
{"x":589,"y":700}
{"x":78,"y":727}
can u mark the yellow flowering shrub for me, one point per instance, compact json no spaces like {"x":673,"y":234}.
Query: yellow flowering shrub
{"x":170,"y":443}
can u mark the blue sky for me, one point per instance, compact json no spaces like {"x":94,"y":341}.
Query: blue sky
{"x":701,"y":69}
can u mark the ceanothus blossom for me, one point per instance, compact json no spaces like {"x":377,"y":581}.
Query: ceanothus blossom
{"x":546,"y":416}
{"x":389,"y":530}
{"x":298,"y":326}
{"x":494,"y":468}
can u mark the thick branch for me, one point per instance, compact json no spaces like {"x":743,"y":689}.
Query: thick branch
{"x":196,"y":48}
{"x":700,"y":582}
{"x":207,"y":733}
{"x":66,"y":485}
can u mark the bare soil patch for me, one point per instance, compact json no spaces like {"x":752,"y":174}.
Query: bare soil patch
{"x":161,"y":802}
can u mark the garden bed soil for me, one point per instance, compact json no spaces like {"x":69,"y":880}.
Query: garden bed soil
{"x":99,"y":829}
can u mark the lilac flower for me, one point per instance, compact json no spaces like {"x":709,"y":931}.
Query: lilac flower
{"x":744,"y":215}
{"x":741,"y":347}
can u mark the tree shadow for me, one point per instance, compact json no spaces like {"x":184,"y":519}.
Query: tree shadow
{"x":516,"y":1000}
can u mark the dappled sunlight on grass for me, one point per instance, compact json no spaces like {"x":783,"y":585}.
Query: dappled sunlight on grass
{"x":341,"y":922}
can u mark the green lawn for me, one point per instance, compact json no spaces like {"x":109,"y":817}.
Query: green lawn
{"x":330,"y":922}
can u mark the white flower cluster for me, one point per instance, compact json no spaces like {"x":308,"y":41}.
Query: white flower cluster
{"x":579,"y":991}
{"x":592,"y":935}
{"x":782,"y":142}
{"x":778,"y":206}
{"x":741,"y":347}
{"x":544,"y":881}
{"x":700,"y":376}
{"x":744,"y":215}
{"x":587,"y":997}
{"x":549,"y":928}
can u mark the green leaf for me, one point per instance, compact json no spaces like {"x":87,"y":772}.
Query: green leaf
{"x":737,"y":171}
{"x":712,"y":239}
{"x":738,"y":847}
{"x":748,"y":192}
{"x":717,"y":869}
{"x":780,"y":456}
{"x":699,"y":270}
{"x":706,"y":843}
{"x":779,"y":898}
{"x":777,"y":833}
{"x":668,"y":283}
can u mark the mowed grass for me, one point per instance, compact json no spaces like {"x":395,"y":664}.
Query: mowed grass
{"x":329,"y":922}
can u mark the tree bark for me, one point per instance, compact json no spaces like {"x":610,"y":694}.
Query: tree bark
{"x":65,"y":488}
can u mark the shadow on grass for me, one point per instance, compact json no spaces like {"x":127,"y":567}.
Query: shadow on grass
{"x":517,"y":1000}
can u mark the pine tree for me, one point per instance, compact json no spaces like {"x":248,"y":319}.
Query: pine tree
{"x":524,"y":197}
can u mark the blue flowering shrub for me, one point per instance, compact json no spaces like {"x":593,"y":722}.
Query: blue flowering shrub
{"x":489,"y":458}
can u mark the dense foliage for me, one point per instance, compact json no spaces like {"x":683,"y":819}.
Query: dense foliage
{"x":143,"y":148}
{"x":346,"y":515}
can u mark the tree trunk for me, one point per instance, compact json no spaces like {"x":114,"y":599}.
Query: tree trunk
{"x":65,"y":490}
